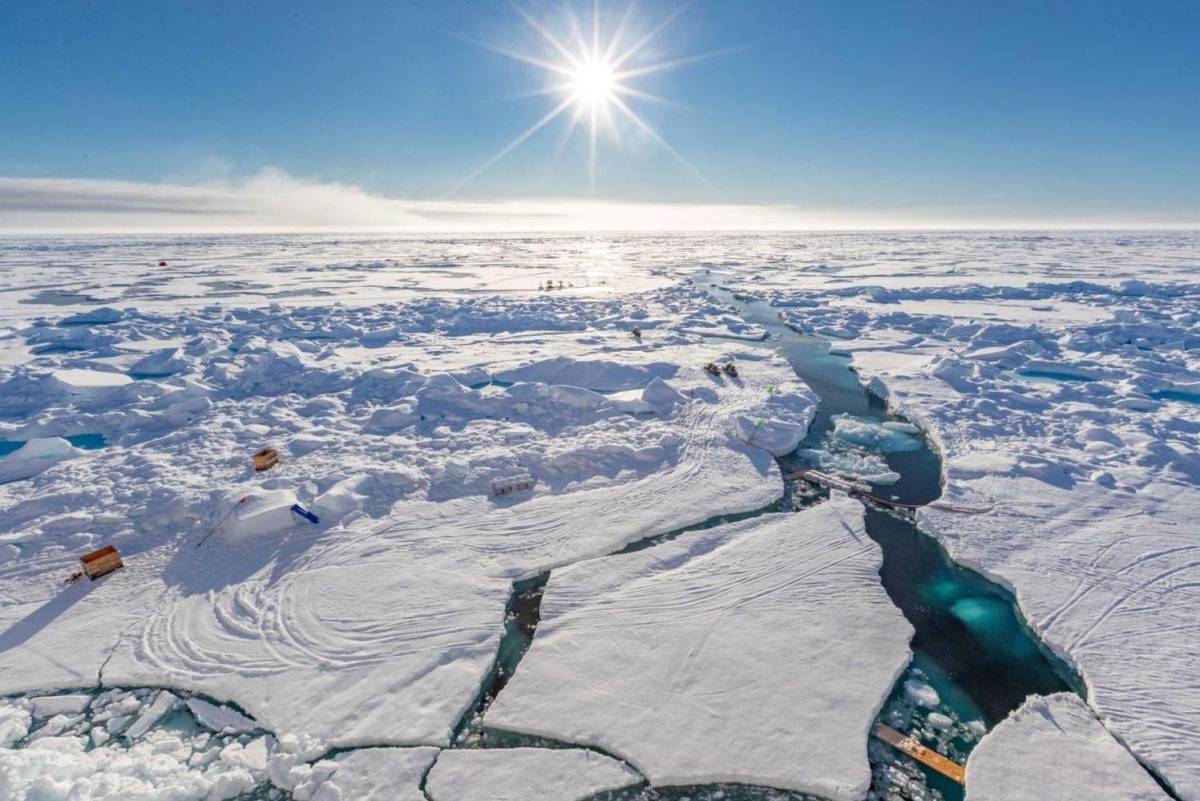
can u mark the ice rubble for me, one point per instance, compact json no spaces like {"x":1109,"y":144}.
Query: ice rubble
{"x":1053,"y":748}
{"x":520,"y":774}
{"x":647,"y":655}
{"x":118,"y":744}
{"x":376,"y":625}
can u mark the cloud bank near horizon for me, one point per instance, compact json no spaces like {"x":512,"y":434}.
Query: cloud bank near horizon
{"x":273,"y":201}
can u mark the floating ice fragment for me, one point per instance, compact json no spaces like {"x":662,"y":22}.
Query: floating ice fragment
{"x":847,"y":464}
{"x":918,"y":692}
{"x":887,"y":437}
{"x":48,"y":705}
{"x":219,"y":718}
{"x":150,"y":715}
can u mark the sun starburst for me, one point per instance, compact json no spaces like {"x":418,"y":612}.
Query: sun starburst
{"x":591,"y":78}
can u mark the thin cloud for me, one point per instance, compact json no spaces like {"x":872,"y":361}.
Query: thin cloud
{"x":273,"y":201}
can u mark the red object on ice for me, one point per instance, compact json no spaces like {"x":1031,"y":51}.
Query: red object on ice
{"x":162,"y":264}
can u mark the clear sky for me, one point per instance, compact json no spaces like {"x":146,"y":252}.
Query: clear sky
{"x":938,"y":111}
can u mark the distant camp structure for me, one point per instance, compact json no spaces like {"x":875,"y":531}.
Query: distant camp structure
{"x":512,"y":484}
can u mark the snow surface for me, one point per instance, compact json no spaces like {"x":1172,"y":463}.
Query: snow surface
{"x":521,"y":774}
{"x":1054,"y":749}
{"x":756,"y":652}
{"x":400,"y":378}
{"x":378,"y":624}
{"x":370,"y":774}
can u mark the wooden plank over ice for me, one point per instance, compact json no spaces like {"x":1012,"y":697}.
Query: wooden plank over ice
{"x":927,"y":757}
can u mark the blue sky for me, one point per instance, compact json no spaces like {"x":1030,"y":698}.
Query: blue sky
{"x":975,"y":110}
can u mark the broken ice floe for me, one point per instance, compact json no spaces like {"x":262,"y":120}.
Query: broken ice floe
{"x":671,"y":631}
{"x":1054,"y":747}
{"x":522,"y":774}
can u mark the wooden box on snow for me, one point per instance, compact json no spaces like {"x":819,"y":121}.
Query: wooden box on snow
{"x":102,"y":562}
{"x":266,"y":459}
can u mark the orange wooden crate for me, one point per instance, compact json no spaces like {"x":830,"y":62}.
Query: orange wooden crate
{"x":101,"y":562}
{"x":266,"y":459}
{"x":925,"y":756}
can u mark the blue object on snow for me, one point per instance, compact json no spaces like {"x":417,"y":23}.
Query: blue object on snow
{"x":307,"y":515}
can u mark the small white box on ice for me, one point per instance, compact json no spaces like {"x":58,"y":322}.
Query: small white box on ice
{"x":511,"y":484}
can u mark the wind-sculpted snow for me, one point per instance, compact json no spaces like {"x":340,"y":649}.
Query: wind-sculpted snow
{"x":1054,"y":749}
{"x":756,"y":652}
{"x":377,"y":624}
{"x":522,"y":774}
{"x":1067,"y":408}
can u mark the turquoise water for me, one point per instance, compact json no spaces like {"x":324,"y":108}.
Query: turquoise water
{"x":521,"y":616}
{"x":50,"y":350}
{"x":1052,"y":376}
{"x":88,"y":442}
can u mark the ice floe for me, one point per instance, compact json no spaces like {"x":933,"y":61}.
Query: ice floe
{"x":365,"y":774}
{"x":1054,"y":748}
{"x":520,"y":774}
{"x":647,"y":655}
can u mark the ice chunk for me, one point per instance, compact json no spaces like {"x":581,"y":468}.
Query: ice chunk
{"x":522,"y":774}
{"x":219,"y":718}
{"x":1054,"y":747}
{"x":661,"y":395}
{"x":918,"y":692}
{"x":848,"y":464}
{"x":886,"y":437}
{"x":101,"y":315}
{"x":151,"y":715}
{"x":14,"y":723}
{"x":672,"y":632}
{"x":339,"y":500}
{"x":598,"y":375}
{"x":34,"y":457}
{"x":45,"y":706}
{"x":165,"y":362}
{"x":89,"y":382}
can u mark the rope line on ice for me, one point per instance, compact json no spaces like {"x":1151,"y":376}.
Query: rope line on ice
{"x":855,"y":488}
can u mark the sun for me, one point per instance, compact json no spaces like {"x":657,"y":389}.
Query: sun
{"x":590,"y":71}
{"x":593,"y":83}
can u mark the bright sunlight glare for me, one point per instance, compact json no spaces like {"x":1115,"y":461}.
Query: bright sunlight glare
{"x":589,"y":74}
{"x":593,"y":83}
